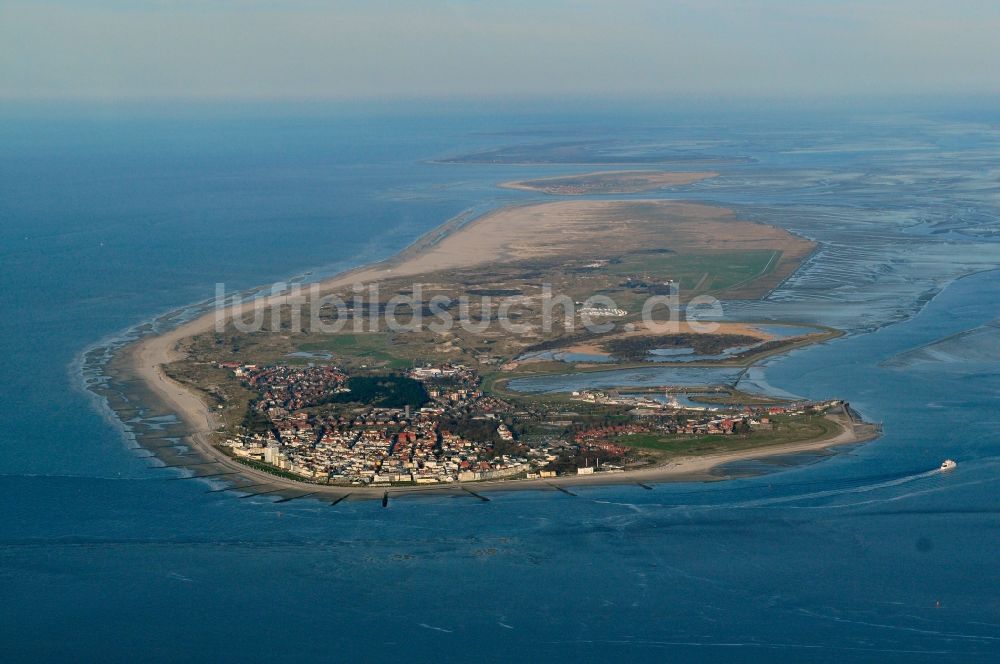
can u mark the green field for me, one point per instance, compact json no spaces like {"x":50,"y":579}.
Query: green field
{"x":787,"y":429}
{"x":700,"y":272}
{"x":373,"y":348}
{"x":268,"y":468}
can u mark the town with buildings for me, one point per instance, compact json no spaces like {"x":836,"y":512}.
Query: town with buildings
{"x":434,"y":425}
{"x":324,"y":426}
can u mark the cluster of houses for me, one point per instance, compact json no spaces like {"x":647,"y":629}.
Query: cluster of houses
{"x":599,"y":438}
{"x":287,"y":389}
{"x":374,"y":445}
{"x":662,"y":417}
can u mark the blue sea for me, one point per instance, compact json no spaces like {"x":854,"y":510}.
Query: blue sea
{"x":111,"y":216}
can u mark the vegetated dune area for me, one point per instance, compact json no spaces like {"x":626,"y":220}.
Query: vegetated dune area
{"x":700,"y":246}
{"x":624,"y":249}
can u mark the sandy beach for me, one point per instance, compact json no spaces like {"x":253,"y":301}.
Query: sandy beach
{"x":504,"y":232}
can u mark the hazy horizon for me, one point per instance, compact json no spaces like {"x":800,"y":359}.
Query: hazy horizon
{"x":351,"y":50}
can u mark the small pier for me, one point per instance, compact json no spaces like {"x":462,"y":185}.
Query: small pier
{"x":290,"y":499}
{"x":260,"y":493}
{"x":559,"y":488}
{"x":473,"y":493}
{"x":339,"y":499}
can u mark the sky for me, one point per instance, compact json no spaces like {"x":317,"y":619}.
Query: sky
{"x":384,"y":49}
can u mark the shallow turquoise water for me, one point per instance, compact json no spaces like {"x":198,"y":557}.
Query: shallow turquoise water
{"x":110,"y":220}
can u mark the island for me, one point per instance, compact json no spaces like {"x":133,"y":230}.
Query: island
{"x":609,"y":182}
{"x":603,"y":152}
{"x":320,"y":400}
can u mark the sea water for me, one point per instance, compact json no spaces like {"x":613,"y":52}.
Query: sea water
{"x":111,"y":217}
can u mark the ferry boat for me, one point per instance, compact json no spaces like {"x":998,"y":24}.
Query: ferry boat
{"x":948,"y":464}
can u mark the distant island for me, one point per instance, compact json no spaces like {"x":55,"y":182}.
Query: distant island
{"x":594,"y":152}
{"x":362,"y":410}
{"x":608,"y":182}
